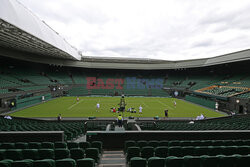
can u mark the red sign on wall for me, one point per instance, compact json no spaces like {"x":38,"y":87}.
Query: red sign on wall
{"x":110,"y":83}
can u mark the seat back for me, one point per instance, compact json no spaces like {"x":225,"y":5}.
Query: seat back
{"x":86,"y":162}
{"x":129,"y":143}
{"x":67,"y":162}
{"x":46,"y":153}
{"x":138,"y":162}
{"x":22,"y":163}
{"x":84,"y":145}
{"x":97,"y":144}
{"x":161,"y":151}
{"x":71,"y":145}
{"x":153,"y":143}
{"x":92,"y":153}
{"x":156,"y":161}
{"x":132,"y":152}
{"x":76,"y":153}
{"x":142,"y":143}
{"x":34,"y":145}
{"x":147,"y":152}
{"x":60,"y":145}
{"x":30,"y":154}
{"x":61,"y":153}
{"x":21,"y":145}
{"x":44,"y":163}
{"x":173,"y":161}
{"x":14,"y":154}
{"x":48,"y":145}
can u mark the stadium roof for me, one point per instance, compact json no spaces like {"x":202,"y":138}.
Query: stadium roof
{"x":24,"y":36}
{"x":22,"y":30}
{"x":131,"y":63}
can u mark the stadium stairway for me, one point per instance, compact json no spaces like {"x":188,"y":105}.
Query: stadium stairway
{"x":117,"y":128}
{"x":112,"y":159}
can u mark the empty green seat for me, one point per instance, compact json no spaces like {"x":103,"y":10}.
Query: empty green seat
{"x":240,"y":142}
{"x":173,"y":161}
{"x":129,"y":143}
{"x":97,"y":144}
{"x":5,"y":163}
{"x":7,"y":146}
{"x":61,"y":153}
{"x":156,"y":162}
{"x":67,"y":162}
{"x":217,"y":143}
{"x":161,"y":151}
{"x":68,"y":135}
{"x":92,"y":153}
{"x":132,"y":152}
{"x":242,"y":160}
{"x":147,"y":152}
{"x":49,"y":145}
{"x":195,"y":143}
{"x":187,"y":150}
{"x":46,"y":154}
{"x":229,"y":150}
{"x":243,"y":150}
{"x":153,"y":143}
{"x":2,"y":154}
{"x":208,"y":161}
{"x":190,"y":161}
{"x":30,"y":154}
{"x":14,"y":154}
{"x":71,"y":145}
{"x":34,"y":145}
{"x":245,"y":142}
{"x":206,"y":143}
{"x":201,"y":150}
{"x":60,"y":145}
{"x":175,"y":151}
{"x":76,"y":153}
{"x":228,"y":142}
{"x":142,"y":143}
{"x":21,"y":145}
{"x":138,"y":162}
{"x":22,"y":163}
{"x":84,"y":145}
{"x":227,"y":161}
{"x":163,"y":143}
{"x":214,"y":150}
{"x":174,"y":143}
{"x":44,"y":163}
{"x":86,"y":162}
{"x":185,"y":143}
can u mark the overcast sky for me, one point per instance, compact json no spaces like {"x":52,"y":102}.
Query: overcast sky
{"x":162,"y":29}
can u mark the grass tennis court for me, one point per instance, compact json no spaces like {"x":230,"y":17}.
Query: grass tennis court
{"x":86,"y":106}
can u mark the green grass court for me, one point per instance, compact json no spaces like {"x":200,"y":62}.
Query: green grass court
{"x":152,"y":106}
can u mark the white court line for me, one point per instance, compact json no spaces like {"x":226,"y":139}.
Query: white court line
{"x":164,"y":104}
{"x":144,"y":104}
{"x":75,"y":104}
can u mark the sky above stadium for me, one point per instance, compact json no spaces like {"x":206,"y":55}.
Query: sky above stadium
{"x":158,"y":29}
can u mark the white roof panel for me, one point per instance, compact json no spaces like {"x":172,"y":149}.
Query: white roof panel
{"x":17,"y":15}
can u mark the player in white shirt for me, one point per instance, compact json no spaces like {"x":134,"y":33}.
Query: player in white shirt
{"x":140,"y":110}
{"x":97,"y":107}
{"x":175,"y":103}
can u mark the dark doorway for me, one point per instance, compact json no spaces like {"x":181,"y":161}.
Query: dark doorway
{"x":241,"y":109}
